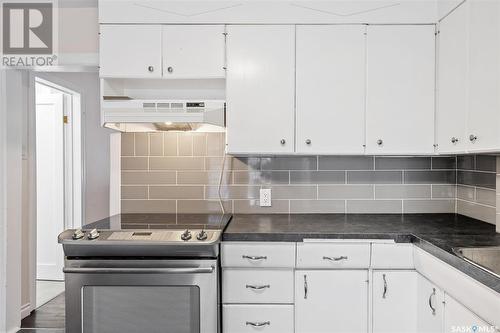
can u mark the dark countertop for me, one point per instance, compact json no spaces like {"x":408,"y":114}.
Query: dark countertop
{"x":435,"y":233}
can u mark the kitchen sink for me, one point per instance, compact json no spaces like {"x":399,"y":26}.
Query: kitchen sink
{"x":487,"y":258}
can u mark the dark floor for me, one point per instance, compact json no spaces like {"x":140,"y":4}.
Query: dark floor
{"x":49,"y":318}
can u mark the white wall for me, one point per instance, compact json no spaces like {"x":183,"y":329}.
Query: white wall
{"x":3,"y":205}
{"x":11,"y":116}
{"x":78,"y":32}
{"x":95,"y":142}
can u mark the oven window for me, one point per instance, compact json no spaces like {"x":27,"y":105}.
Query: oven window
{"x":132,"y":309}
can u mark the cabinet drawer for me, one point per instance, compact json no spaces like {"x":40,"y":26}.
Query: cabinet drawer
{"x":333,"y":255}
{"x":257,"y":286}
{"x":269,"y":254}
{"x":262,"y":318}
{"x":392,"y":256}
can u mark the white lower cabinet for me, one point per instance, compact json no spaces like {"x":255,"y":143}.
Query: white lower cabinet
{"x":359,"y":288}
{"x":430,"y":306}
{"x":394,"y":301}
{"x":257,"y":286}
{"x":238,"y":318}
{"x":457,"y":318}
{"x":331,"y":301}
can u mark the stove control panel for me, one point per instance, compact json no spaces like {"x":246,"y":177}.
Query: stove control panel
{"x":144,"y":236}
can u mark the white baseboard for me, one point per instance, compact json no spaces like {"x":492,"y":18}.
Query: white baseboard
{"x":26,"y":310}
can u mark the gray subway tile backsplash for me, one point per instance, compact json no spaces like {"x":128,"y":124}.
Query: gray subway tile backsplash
{"x":168,"y":172}
{"x":345,"y":192}
{"x":444,"y":162}
{"x":289,"y":163}
{"x":374,"y":177}
{"x":346,"y":163}
{"x":476,"y":178}
{"x":261,"y":177}
{"x":317,"y":177}
{"x":430,"y":177}
{"x":374,"y":206}
{"x":398,"y":163}
{"x":403,"y":191}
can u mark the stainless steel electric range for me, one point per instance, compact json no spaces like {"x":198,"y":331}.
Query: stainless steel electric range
{"x":144,"y":273}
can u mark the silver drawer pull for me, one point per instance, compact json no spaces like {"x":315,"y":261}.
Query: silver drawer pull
{"x":254,"y":257}
{"x":258,"y":324}
{"x":384,"y":294}
{"x":248,"y":286}
{"x":335,"y":258}
{"x":433,"y":309}
{"x":305,"y":287}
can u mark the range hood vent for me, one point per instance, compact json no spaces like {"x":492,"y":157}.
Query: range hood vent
{"x":139,"y":115}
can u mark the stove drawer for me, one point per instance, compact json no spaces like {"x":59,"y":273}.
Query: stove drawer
{"x":262,"y":318}
{"x":257,"y":286}
{"x":255,"y":254}
{"x":333,"y":255}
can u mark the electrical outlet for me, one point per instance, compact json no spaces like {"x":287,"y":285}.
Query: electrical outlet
{"x":265,"y":197}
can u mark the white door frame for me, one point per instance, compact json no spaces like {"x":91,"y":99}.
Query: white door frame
{"x":77,"y":157}
{"x":3,"y":204}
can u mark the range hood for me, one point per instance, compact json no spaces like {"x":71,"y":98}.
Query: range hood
{"x":147,"y":115}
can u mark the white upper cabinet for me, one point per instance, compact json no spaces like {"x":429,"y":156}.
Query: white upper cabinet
{"x":260,"y":89}
{"x":483,"y":125}
{"x":394,"y":301}
{"x":331,"y":301}
{"x":400,"y":89}
{"x":451,"y":110}
{"x":130,"y":51}
{"x":430,"y":307}
{"x":193,"y":51}
{"x":330,"y":89}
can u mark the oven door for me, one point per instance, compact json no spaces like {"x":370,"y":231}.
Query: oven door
{"x":130,"y":296}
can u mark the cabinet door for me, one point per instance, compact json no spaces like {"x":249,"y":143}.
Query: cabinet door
{"x":484,"y":72}
{"x":457,"y":318}
{"x":331,"y":301}
{"x":330,"y":93}
{"x":451,"y":113}
{"x":430,"y":307}
{"x":394,"y":301}
{"x":193,"y":51}
{"x":400,"y":89}
{"x":260,"y":89}
{"x":130,"y":51}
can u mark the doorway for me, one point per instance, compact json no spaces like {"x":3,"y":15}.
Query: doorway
{"x":58,"y":181}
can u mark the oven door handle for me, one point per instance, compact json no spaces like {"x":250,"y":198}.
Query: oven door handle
{"x":183,"y":270}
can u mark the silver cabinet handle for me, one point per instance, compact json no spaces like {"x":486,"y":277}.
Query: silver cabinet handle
{"x":473,"y":138}
{"x":170,"y":69}
{"x":258,"y":324}
{"x":430,"y":301}
{"x":254,"y":257}
{"x":305,"y":286}
{"x":187,"y":270}
{"x":151,"y":69}
{"x":380,"y":142}
{"x":385,"y":286}
{"x":335,"y":258}
{"x":454,"y":140}
{"x":308,"y":141}
{"x":265,"y":286}
{"x":282,"y":141}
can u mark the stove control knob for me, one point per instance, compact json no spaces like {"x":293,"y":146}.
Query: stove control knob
{"x":186,"y":235}
{"x":78,"y":234}
{"x":93,"y":234}
{"x":202,"y":235}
